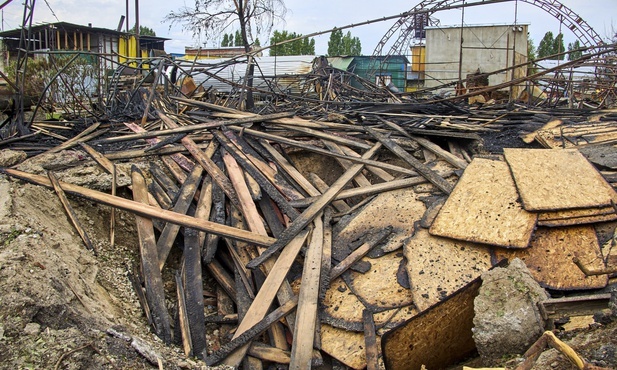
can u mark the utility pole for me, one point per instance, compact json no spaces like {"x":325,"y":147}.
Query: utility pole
{"x":138,"y":51}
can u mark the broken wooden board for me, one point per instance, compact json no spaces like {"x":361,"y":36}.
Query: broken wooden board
{"x":549,"y":257}
{"x":439,"y":266}
{"x":580,"y":134}
{"x":484,"y":208}
{"x":571,"y":217}
{"x":603,"y":156}
{"x":343,"y":306}
{"x":378,"y":288}
{"x":573,"y":221}
{"x":557,"y":179}
{"x":398,"y":209}
{"x":346,"y":346}
{"x":438,"y":337}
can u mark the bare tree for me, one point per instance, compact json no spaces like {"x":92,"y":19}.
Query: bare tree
{"x":212,"y":18}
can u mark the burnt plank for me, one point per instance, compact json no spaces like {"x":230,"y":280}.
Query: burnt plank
{"x":312,"y":211}
{"x":144,"y":209}
{"x":185,"y":198}
{"x":429,"y":174}
{"x":155,"y":293}
{"x":193,"y":286}
{"x":70,"y":212}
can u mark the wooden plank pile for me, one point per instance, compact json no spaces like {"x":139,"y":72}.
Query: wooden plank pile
{"x":322,"y":236}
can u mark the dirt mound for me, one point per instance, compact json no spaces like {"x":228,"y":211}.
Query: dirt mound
{"x":58,"y":299}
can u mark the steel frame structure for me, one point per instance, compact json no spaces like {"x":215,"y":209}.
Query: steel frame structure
{"x":406,"y":24}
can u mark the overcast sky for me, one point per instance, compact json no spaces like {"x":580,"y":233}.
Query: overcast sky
{"x":306,"y":17}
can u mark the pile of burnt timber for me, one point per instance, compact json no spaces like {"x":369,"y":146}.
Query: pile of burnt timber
{"x":327,"y":234}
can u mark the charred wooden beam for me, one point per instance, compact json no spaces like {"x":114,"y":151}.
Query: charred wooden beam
{"x":146,"y":210}
{"x":429,"y":174}
{"x":70,"y":212}
{"x":155,"y":293}
{"x":312,"y":211}
{"x":193,"y":287}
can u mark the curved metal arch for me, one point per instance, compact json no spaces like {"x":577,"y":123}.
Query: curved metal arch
{"x":406,"y":24}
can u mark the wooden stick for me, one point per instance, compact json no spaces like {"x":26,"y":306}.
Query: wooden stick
{"x":369,"y":190}
{"x":269,"y":353}
{"x":136,"y":281}
{"x":69,"y":211}
{"x":155,"y":292}
{"x":306,"y":314}
{"x":312,"y":211}
{"x":256,"y":329}
{"x":429,"y":174}
{"x":183,"y":321}
{"x":192,"y":128}
{"x":266,"y":294}
{"x":385,"y":176}
{"x":204,"y":205}
{"x":291,"y":170}
{"x":194,"y":290}
{"x":326,"y":257}
{"x":223,"y":278}
{"x":82,"y":136}
{"x":370,"y":341}
{"x":184,"y":200}
{"x":261,"y":179}
{"x":146,"y":210}
{"x":360,"y":179}
{"x":270,"y":173}
{"x":359,"y":252}
{"x":312,"y":148}
{"x":329,"y":137}
{"x":432,"y":147}
{"x":321,"y":185}
{"x":217,"y":175}
{"x":180,"y":159}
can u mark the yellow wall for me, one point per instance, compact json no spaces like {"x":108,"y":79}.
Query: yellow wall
{"x":418,"y":57}
{"x":128,"y":49}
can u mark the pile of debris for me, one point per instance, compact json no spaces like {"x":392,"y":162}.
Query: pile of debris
{"x":331,"y":231}
{"x":356,"y":225}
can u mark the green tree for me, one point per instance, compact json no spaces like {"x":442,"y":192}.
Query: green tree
{"x":335,"y":42}
{"x":545,"y":48}
{"x":144,"y":31}
{"x":574,"y":53}
{"x":302,"y":46}
{"x":551,"y":45}
{"x":225,"y":42}
{"x":531,"y":55}
{"x":558,"y":47}
{"x":531,"y":49}
{"x":340,"y":44}
{"x":237,"y":39}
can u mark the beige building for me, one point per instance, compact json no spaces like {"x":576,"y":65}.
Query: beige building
{"x":485,"y":48}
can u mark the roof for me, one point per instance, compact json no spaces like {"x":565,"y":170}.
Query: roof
{"x":15,"y":33}
{"x":343,"y":62}
{"x":340,"y":62}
